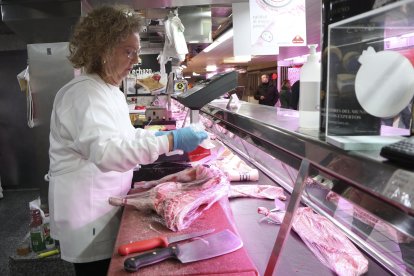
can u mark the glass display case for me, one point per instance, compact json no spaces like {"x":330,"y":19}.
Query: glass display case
{"x":368,"y":198}
{"x":361,"y":193}
{"x":370,"y":77}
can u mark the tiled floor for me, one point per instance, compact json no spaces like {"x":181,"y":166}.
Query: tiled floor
{"x":14,"y":226}
{"x":14,"y":220}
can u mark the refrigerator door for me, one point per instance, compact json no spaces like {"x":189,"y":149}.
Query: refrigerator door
{"x":49,"y":70}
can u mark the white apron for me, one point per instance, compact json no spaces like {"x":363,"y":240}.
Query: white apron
{"x":93,"y":150}
{"x":83,"y":221}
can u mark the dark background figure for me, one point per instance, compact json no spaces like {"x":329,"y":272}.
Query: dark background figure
{"x":294,"y":103}
{"x":405,"y":117}
{"x":267,"y":93}
{"x":285,"y":94}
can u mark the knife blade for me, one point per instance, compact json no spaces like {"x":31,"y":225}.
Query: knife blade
{"x":213,"y":245}
{"x":160,"y":241}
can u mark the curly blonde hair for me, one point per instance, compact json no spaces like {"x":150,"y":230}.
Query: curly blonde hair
{"x":96,"y":35}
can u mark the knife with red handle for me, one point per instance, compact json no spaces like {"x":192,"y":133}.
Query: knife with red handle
{"x":160,"y":241}
{"x":207,"y":247}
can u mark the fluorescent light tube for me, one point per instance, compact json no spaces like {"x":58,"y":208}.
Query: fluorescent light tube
{"x":219,"y":40}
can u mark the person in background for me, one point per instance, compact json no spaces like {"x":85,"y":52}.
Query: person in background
{"x":285,"y":94}
{"x":93,"y":145}
{"x":266,"y":93}
{"x":294,"y":103}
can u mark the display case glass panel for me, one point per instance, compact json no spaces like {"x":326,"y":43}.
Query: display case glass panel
{"x":370,"y":83}
{"x":345,"y":187}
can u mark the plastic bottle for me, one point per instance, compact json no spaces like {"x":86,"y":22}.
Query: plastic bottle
{"x":36,"y":231}
{"x":310,"y":82}
{"x":49,"y":242}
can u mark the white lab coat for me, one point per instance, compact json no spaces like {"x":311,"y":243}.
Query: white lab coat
{"x":93,"y":149}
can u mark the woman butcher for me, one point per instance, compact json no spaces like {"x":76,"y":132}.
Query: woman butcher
{"x":93,"y":146}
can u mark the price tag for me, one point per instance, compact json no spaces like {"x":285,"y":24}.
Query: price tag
{"x":400,"y":187}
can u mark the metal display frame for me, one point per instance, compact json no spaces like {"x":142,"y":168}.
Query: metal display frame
{"x":278,"y":134}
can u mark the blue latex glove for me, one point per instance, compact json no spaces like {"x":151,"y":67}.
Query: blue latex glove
{"x":187,"y":139}
{"x":161,"y":133}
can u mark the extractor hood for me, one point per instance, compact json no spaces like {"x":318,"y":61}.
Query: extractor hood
{"x":47,"y":21}
{"x":41,"y":21}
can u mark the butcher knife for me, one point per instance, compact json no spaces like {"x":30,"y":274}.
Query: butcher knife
{"x":160,"y":241}
{"x":207,"y":247}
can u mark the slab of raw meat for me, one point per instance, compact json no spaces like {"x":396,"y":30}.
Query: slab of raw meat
{"x":257,"y":191}
{"x":325,"y":240}
{"x":182,"y":198}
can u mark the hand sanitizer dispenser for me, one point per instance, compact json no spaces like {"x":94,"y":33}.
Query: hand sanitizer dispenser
{"x":310,"y":82}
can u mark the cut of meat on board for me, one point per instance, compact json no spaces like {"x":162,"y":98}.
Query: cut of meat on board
{"x":180,"y":203}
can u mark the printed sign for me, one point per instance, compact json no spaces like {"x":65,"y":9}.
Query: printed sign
{"x":276,"y":23}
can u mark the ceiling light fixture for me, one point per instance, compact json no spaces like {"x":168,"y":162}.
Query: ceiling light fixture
{"x":219,"y":40}
{"x":237,"y":59}
{"x":211,"y":68}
